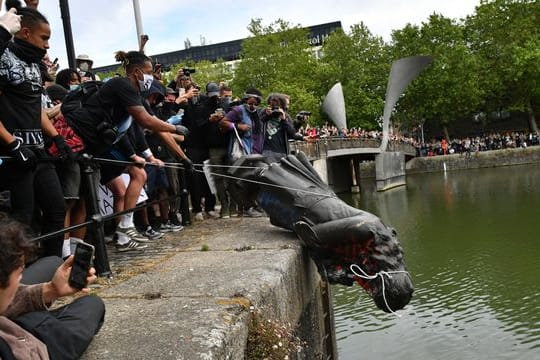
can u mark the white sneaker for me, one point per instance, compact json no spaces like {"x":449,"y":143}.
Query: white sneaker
{"x":199,"y":216}
{"x":132,"y":233}
{"x":213,"y":214}
{"x":130,"y":246}
{"x":253,"y":212}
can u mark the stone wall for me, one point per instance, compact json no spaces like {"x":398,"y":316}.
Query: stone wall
{"x":507,"y":157}
{"x":485,"y":159}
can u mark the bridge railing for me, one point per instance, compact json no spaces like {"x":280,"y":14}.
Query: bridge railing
{"x":319,"y":148}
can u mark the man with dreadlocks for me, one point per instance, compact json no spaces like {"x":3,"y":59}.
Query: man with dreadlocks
{"x":106,"y":116}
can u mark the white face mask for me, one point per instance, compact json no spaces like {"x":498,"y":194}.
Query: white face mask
{"x":146,"y":82}
{"x":250,"y":109}
{"x":73,"y":87}
{"x":84,"y":66}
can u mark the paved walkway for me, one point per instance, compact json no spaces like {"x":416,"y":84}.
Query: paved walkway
{"x":188,"y":296}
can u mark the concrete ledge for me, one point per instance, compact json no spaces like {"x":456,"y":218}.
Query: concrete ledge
{"x":493,"y":158}
{"x":195,"y":304}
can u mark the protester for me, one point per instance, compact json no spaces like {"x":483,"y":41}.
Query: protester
{"x":28,"y":329}
{"x":70,"y":79}
{"x":217,"y":142}
{"x":31,"y":179}
{"x":243,"y":122}
{"x":277,"y":128}
{"x":196,"y":117}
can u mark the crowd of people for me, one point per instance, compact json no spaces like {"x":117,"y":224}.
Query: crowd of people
{"x":161,"y":135}
{"x":436,"y":146}
{"x":473,"y":144}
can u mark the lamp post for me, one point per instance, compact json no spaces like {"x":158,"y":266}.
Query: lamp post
{"x":138,"y":23}
{"x":68,"y":36}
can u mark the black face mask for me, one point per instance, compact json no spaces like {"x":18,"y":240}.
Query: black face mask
{"x":26,"y":51}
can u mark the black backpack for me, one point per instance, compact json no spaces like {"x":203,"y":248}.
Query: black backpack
{"x":76,"y":99}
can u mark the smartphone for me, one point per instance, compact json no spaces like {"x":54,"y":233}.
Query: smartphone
{"x":84,"y":253}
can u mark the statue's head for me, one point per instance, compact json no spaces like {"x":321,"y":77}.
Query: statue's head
{"x":363,"y":249}
{"x":381,"y":261}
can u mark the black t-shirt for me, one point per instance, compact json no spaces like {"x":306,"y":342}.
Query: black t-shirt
{"x":20,"y":99}
{"x":196,"y":118}
{"x":274,"y":139}
{"x":110,"y":105}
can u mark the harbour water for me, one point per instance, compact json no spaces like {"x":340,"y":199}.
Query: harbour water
{"x":472,"y":246}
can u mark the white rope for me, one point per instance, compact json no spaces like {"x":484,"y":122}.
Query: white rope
{"x":221,"y":166}
{"x":181,"y":166}
{"x":380,"y":274}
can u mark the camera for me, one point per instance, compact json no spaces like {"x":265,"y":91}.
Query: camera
{"x":164,"y":68}
{"x":303,"y":114}
{"x":275,"y":111}
{"x":188,"y":71}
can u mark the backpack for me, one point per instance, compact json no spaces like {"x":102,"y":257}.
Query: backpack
{"x":76,"y":99}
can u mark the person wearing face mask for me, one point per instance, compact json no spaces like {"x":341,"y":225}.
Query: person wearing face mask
{"x":196,"y":118}
{"x":30,"y":177}
{"x":245,"y":119}
{"x":217,"y":142}
{"x":109,"y":112}
{"x":70,"y":79}
{"x":105,"y":119}
{"x":84,"y":66}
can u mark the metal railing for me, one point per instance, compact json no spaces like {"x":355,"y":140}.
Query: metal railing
{"x":319,"y":148}
{"x":95,"y":221}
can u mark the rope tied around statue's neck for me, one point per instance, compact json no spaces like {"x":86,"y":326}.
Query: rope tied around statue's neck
{"x":381,"y":274}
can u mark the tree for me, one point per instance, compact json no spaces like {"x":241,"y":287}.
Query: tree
{"x":450,"y":88}
{"x":506,"y":36}
{"x":276,"y":58}
{"x":360,"y":61}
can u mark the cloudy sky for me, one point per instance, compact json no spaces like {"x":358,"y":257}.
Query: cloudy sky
{"x":101,"y":27}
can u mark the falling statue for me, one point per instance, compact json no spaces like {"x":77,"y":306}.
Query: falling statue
{"x":347,"y":244}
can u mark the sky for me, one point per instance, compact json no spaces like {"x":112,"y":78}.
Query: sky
{"x":101,"y":27}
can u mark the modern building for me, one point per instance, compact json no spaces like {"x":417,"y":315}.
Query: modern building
{"x":230,"y":50}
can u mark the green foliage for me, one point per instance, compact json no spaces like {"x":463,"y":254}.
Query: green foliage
{"x":450,"y":88}
{"x":360,"y":61}
{"x":277,"y":58}
{"x":505,"y":35}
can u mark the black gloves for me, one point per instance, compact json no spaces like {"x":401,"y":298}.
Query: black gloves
{"x":182,"y":130}
{"x":24,"y":157}
{"x":63,"y":148}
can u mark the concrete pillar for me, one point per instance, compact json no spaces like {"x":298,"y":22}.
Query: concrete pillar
{"x":390,"y":170}
{"x":321,"y":167}
{"x":355,"y":175}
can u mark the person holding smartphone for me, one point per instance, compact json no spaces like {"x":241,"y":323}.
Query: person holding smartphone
{"x":28,"y":329}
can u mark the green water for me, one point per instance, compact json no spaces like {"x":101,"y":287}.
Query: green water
{"x":472,"y":246}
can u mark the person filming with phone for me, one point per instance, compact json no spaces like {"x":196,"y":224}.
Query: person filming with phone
{"x":28,"y":329}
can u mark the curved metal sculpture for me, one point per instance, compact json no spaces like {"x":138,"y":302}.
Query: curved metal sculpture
{"x":402,"y":73}
{"x":334,"y":106}
{"x":338,"y":236}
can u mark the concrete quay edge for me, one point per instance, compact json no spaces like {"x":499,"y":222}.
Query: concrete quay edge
{"x":196,"y":304}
